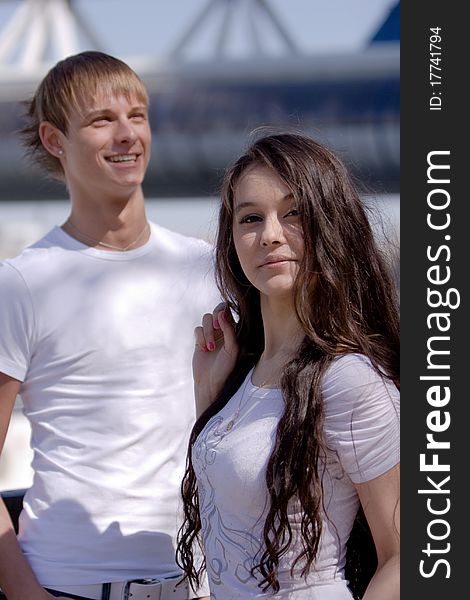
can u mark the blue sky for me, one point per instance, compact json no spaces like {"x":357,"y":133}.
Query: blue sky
{"x":151,"y":27}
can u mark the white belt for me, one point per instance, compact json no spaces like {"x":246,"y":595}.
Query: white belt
{"x":141,"y":589}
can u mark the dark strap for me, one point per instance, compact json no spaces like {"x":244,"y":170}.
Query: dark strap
{"x":57,"y":593}
{"x":105,"y":594}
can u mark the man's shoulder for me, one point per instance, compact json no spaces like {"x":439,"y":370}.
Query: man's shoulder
{"x":31,"y":257}
{"x":180,"y":244}
{"x":190,"y":261}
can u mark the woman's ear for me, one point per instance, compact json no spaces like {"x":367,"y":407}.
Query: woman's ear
{"x":50,"y":138}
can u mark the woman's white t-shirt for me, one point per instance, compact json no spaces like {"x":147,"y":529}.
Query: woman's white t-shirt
{"x":230,"y":458}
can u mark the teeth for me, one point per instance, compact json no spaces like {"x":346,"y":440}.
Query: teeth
{"x":123,"y":158}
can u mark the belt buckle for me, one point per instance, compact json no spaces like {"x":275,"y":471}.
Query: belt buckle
{"x":143,"y":589}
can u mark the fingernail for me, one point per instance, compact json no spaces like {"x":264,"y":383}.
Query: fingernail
{"x":211,"y":346}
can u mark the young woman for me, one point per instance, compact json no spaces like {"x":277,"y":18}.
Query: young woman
{"x":297,"y":401}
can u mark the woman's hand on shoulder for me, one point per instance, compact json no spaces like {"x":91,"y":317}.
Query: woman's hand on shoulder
{"x":214,"y":356}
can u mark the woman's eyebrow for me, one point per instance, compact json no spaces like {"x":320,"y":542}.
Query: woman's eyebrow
{"x":248,"y":203}
{"x":241,"y":205}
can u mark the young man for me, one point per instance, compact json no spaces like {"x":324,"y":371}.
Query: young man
{"x":96,"y":333}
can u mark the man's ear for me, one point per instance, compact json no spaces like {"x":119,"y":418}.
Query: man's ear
{"x":50,"y":138}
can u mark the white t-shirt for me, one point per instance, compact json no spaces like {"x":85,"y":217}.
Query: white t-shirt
{"x":103,"y":343}
{"x":362,"y":433}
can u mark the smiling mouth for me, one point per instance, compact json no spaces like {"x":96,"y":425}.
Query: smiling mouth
{"x":277,"y":261}
{"x":122,"y":158}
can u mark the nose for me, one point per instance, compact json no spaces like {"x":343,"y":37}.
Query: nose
{"x":125,"y":132}
{"x":272,"y":232}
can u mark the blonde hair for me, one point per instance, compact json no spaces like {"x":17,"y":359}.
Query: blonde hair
{"x":68,"y":86}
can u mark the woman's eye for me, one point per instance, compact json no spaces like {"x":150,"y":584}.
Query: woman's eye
{"x":250,"y":219}
{"x":293,"y":213}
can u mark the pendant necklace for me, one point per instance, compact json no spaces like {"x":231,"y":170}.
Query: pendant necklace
{"x":242,"y":404}
{"x":106,"y":245}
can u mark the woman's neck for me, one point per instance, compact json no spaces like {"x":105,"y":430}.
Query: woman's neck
{"x":282,"y":336}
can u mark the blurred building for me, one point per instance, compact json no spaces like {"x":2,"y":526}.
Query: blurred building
{"x":202,"y":111}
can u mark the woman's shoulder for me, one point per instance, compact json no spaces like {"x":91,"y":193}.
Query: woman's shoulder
{"x":352,"y":383}
{"x":349,"y":370}
{"x":362,"y":422}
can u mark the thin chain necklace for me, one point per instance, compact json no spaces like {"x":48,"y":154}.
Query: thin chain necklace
{"x":99,"y":243}
{"x":241,"y":404}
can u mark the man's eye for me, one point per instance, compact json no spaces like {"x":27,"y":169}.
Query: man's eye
{"x":100,"y":120}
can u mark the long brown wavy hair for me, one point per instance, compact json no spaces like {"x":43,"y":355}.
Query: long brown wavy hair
{"x":345,"y":300}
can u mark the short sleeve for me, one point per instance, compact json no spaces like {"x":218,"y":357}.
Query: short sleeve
{"x":362,"y":423}
{"x":16,"y":323}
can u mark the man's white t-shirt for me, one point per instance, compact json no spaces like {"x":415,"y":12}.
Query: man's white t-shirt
{"x":230,"y":457}
{"x":103,"y":343}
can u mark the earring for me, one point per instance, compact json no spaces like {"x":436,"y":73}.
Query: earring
{"x":61,"y":152}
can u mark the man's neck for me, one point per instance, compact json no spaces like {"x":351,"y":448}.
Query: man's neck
{"x":114,"y":224}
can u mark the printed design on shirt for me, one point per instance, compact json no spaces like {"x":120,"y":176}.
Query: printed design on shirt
{"x":216,"y":531}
